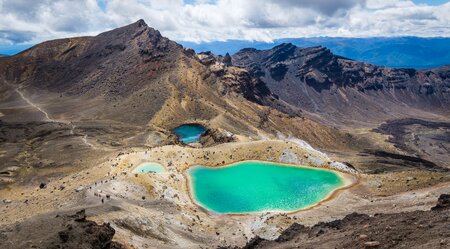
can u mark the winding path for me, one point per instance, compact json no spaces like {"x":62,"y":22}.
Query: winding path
{"x":34,"y":105}
{"x":47,"y":117}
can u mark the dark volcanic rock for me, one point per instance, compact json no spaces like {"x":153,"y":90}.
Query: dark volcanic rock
{"x":239,"y":82}
{"x":344,"y":90}
{"x":81,"y":233}
{"x":62,"y":231}
{"x":418,"y":229}
{"x":443,"y":202}
{"x":428,"y":140}
{"x":406,"y":161}
{"x":215,"y":136}
{"x":227,"y":60}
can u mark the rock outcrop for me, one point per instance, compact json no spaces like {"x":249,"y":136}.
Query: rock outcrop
{"x":239,"y":82}
{"x":443,"y":203}
{"x":63,"y":232}
{"x":216,"y":136}
{"x":418,"y":229}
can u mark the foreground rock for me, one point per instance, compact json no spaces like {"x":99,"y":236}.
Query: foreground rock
{"x":62,"y":231}
{"x":443,"y":203}
{"x":418,"y":229}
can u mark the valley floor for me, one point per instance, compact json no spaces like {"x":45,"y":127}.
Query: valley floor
{"x":60,"y":166}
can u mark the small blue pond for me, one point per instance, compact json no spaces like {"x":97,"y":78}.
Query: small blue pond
{"x":145,"y":168}
{"x":189,"y":133}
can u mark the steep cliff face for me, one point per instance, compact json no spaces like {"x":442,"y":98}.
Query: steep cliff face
{"x":318,"y":81}
{"x":238,"y":81}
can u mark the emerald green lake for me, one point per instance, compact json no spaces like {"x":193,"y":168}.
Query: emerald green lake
{"x":256,"y":186}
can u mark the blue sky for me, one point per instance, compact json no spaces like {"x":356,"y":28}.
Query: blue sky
{"x":102,"y":4}
{"x":30,"y":22}
{"x":430,"y":2}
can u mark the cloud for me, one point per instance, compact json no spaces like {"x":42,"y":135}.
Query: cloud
{"x":28,"y":10}
{"x":206,"y":20}
{"x":323,"y":6}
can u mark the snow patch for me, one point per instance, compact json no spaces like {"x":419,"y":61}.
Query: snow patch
{"x":342,"y":167}
{"x":319,"y":158}
{"x":303,"y":144}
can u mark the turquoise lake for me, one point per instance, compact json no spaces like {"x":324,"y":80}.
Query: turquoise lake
{"x":189,"y":133}
{"x":145,"y":168}
{"x":256,"y":186}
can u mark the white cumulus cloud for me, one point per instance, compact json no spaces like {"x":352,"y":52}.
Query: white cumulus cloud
{"x":25,"y":21}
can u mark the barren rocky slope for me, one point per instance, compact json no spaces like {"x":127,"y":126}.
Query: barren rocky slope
{"x":130,"y":69}
{"x":419,"y":229}
{"x":344,"y":91}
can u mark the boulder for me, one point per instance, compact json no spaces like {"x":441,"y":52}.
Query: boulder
{"x":443,"y":202}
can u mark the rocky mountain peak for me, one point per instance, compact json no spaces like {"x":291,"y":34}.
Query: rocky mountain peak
{"x":141,"y":23}
{"x":129,"y":32}
{"x":134,"y":50}
{"x":284,"y":46}
{"x":314,"y":78}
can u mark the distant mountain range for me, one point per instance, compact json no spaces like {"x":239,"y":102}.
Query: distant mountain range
{"x":6,"y":50}
{"x":399,"y":52}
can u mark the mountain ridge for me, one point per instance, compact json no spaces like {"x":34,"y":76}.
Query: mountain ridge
{"x":316,"y":80}
{"x":134,"y":68}
{"x":398,"y":52}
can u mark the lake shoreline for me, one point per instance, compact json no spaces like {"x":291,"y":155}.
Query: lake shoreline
{"x":348,"y":181}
